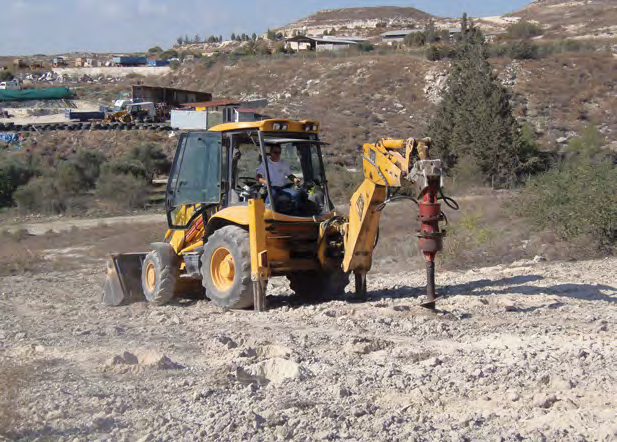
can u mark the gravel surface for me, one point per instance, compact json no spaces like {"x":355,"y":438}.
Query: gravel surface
{"x":525,"y":351}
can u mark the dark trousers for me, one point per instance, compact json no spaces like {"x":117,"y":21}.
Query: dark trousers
{"x":296,"y":197}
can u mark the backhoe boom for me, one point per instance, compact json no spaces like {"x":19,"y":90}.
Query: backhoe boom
{"x":385,"y":164}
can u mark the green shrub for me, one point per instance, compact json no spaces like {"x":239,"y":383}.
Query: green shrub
{"x":80,"y":172}
{"x":517,"y":50}
{"x":435,"y":53}
{"x":152,"y":157}
{"x":467,"y":174}
{"x":365,"y":47}
{"x":170,"y":53}
{"x":523,"y":50}
{"x":124,"y":191}
{"x":209,"y":62}
{"x":6,"y":75}
{"x":415,"y":39}
{"x":14,"y":172}
{"x":68,"y":178}
{"x":88,"y":163}
{"x":566,"y":45}
{"x":125,"y":166}
{"x":523,"y":30}
{"x":41,"y":195}
{"x":577,"y":198}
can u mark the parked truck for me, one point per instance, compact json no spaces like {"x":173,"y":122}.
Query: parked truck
{"x":71,"y":114}
{"x":130,"y":60}
{"x":158,"y":63}
{"x":13,"y":85}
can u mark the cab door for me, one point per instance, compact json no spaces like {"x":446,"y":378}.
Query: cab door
{"x":195,"y":179}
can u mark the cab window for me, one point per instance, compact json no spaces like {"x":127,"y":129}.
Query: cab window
{"x":196,"y":173}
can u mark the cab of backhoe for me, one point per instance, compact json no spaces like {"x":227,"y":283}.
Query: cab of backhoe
{"x":217,"y":170}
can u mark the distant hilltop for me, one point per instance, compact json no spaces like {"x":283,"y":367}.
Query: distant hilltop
{"x":559,"y":18}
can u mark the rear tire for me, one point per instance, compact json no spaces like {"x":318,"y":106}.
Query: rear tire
{"x":318,"y":284}
{"x":157,"y":280}
{"x":226,"y":268}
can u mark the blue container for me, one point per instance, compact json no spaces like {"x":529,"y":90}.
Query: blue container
{"x":130,"y":60}
{"x":158,"y":63}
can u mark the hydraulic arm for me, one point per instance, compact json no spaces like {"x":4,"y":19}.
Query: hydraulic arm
{"x":386,"y":163}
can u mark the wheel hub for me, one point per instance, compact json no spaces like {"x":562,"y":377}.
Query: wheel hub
{"x":222,"y":269}
{"x":150,"y":276}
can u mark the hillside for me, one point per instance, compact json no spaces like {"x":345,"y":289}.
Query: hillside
{"x":366,"y":97}
{"x":597,"y":18}
{"x":582,"y":19}
{"x":352,"y":18}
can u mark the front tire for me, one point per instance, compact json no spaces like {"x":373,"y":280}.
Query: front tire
{"x":158,"y":280}
{"x":226,"y":268}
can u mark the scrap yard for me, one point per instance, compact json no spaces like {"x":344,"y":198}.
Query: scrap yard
{"x":61,"y":108}
{"x":61,"y":99}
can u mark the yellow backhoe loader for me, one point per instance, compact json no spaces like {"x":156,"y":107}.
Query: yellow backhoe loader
{"x":246,"y":202}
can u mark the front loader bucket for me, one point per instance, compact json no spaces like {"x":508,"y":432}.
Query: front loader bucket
{"x":123,"y":283}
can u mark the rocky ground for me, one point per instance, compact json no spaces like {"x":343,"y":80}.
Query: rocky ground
{"x":525,"y":351}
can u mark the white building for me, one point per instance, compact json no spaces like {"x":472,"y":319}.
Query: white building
{"x":393,"y":37}
{"x":325,"y":43}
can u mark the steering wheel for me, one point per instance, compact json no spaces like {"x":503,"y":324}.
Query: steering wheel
{"x":248,"y":180}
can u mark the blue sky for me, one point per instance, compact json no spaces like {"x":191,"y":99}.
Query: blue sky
{"x":54,"y":26}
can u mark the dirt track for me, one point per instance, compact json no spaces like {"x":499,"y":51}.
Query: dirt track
{"x":67,"y":224}
{"x":521,"y":351}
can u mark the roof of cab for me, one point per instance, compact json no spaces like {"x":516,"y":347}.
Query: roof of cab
{"x":259,"y":125}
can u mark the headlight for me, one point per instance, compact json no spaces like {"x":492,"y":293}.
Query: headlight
{"x":284,"y":127}
{"x":276,"y":126}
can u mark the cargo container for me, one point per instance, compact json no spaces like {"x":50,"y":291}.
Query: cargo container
{"x":71,"y":114}
{"x":192,"y":120}
{"x":158,"y":63}
{"x":169,"y":96}
{"x":130,"y":60}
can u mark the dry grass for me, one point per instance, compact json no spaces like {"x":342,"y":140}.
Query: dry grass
{"x":362,"y":98}
{"x":566,"y":92}
{"x":327,"y":17}
{"x":50,"y":147}
{"x":357,"y":98}
{"x":487,"y":231}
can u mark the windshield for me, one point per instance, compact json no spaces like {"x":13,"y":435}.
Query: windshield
{"x":302,"y":158}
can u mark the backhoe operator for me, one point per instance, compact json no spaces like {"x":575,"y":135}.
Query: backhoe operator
{"x":280,"y":175}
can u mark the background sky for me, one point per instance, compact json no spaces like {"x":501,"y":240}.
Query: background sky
{"x":56,"y":26}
